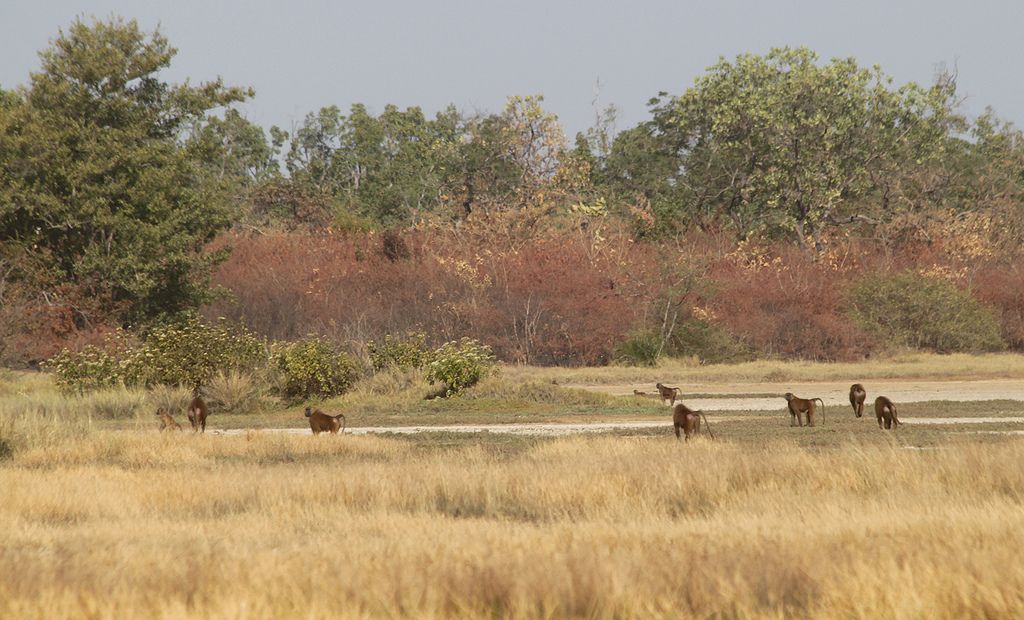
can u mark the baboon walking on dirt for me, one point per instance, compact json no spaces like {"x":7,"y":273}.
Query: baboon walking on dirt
{"x":320,"y":422}
{"x":197,"y":413}
{"x":689,"y":420}
{"x":857,"y":396}
{"x":885,"y":411}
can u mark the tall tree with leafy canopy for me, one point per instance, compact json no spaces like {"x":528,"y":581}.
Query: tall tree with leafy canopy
{"x":782,"y":142}
{"x":95,"y":177}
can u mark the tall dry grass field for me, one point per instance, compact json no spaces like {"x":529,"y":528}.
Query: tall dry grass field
{"x":127,"y":524}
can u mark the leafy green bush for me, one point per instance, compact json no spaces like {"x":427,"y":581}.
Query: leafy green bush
{"x":91,"y":368}
{"x":640,"y":348}
{"x":312,"y":367}
{"x":189,"y":352}
{"x":923,"y":312}
{"x":710,"y":343}
{"x":410,"y":352}
{"x":459,"y":365}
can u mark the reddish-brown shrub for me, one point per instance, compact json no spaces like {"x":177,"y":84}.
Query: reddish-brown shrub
{"x":1002,"y":287}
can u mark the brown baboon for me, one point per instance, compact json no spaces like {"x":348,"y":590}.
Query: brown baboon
{"x":798,"y":406}
{"x":197,"y":413}
{"x":639,"y":393}
{"x":857,"y":396}
{"x":320,"y":422}
{"x":167,"y":423}
{"x":689,"y":420}
{"x":668,"y":393}
{"x":885,"y":411}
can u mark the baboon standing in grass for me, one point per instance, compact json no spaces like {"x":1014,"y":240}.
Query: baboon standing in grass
{"x":806,"y":406}
{"x":885,"y":411}
{"x":197,"y":412}
{"x":320,"y":422}
{"x":689,"y":420}
{"x":857,"y":396}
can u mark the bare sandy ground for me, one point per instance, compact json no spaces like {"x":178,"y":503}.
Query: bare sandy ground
{"x":832,"y":393}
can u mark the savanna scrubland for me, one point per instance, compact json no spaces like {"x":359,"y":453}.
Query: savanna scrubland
{"x":783,"y":219}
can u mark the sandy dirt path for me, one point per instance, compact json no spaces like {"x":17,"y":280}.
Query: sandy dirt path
{"x":832,"y":393}
{"x":559,"y":429}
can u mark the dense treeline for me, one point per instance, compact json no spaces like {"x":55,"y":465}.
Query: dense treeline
{"x":734,"y":222}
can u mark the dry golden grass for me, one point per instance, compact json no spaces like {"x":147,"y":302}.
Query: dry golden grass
{"x":127,"y":524}
{"x":905,"y":366}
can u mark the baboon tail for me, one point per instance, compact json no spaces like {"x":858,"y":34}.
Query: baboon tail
{"x":822,"y":410}
{"x":707,"y":424}
{"x":344,"y":422}
{"x":895,"y":421}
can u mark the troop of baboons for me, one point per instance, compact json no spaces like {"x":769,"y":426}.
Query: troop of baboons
{"x":800,"y":410}
{"x":683,"y":418}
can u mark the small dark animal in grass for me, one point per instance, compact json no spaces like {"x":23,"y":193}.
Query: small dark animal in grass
{"x":639,"y":393}
{"x":805,"y":406}
{"x":885,"y":411}
{"x":668,"y":393}
{"x":321,"y":422}
{"x":197,"y":413}
{"x":689,"y":420}
{"x":857,"y":396}
{"x":167,"y":423}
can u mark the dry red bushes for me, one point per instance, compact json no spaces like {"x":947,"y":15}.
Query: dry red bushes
{"x":571,"y":298}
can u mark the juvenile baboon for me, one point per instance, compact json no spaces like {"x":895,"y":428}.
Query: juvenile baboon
{"x":798,"y":406}
{"x":639,"y":393}
{"x":167,"y":423}
{"x":689,"y":420}
{"x":857,"y":396}
{"x":668,"y":393}
{"x":885,"y":411}
{"x":197,"y":413}
{"x":320,"y":422}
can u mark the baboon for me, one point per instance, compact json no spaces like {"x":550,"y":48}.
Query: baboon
{"x":320,"y":422}
{"x":668,"y":393}
{"x":885,"y":411}
{"x":639,"y":393}
{"x":689,"y":420}
{"x":167,"y":423}
{"x":806,"y":406}
{"x":857,"y":396}
{"x":197,"y":413}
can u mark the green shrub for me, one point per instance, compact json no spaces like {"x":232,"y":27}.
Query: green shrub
{"x":640,"y":348}
{"x":313,"y":368}
{"x":408,"y":353}
{"x":187,"y":352}
{"x":91,"y":368}
{"x":459,"y":365}
{"x":708,"y":342}
{"x":190,"y":352}
{"x":923,"y":312}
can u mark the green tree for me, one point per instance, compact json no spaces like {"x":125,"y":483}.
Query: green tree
{"x":95,"y":176}
{"x":782,"y":142}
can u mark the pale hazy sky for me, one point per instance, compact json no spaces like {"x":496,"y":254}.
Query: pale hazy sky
{"x":300,"y":55}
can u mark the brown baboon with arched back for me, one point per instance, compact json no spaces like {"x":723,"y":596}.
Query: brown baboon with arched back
{"x":320,"y":422}
{"x":857,"y":396}
{"x":689,"y":420}
{"x":167,"y":423}
{"x":197,"y":412}
{"x":668,"y":393}
{"x":885,"y":411}
{"x":806,"y":406}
